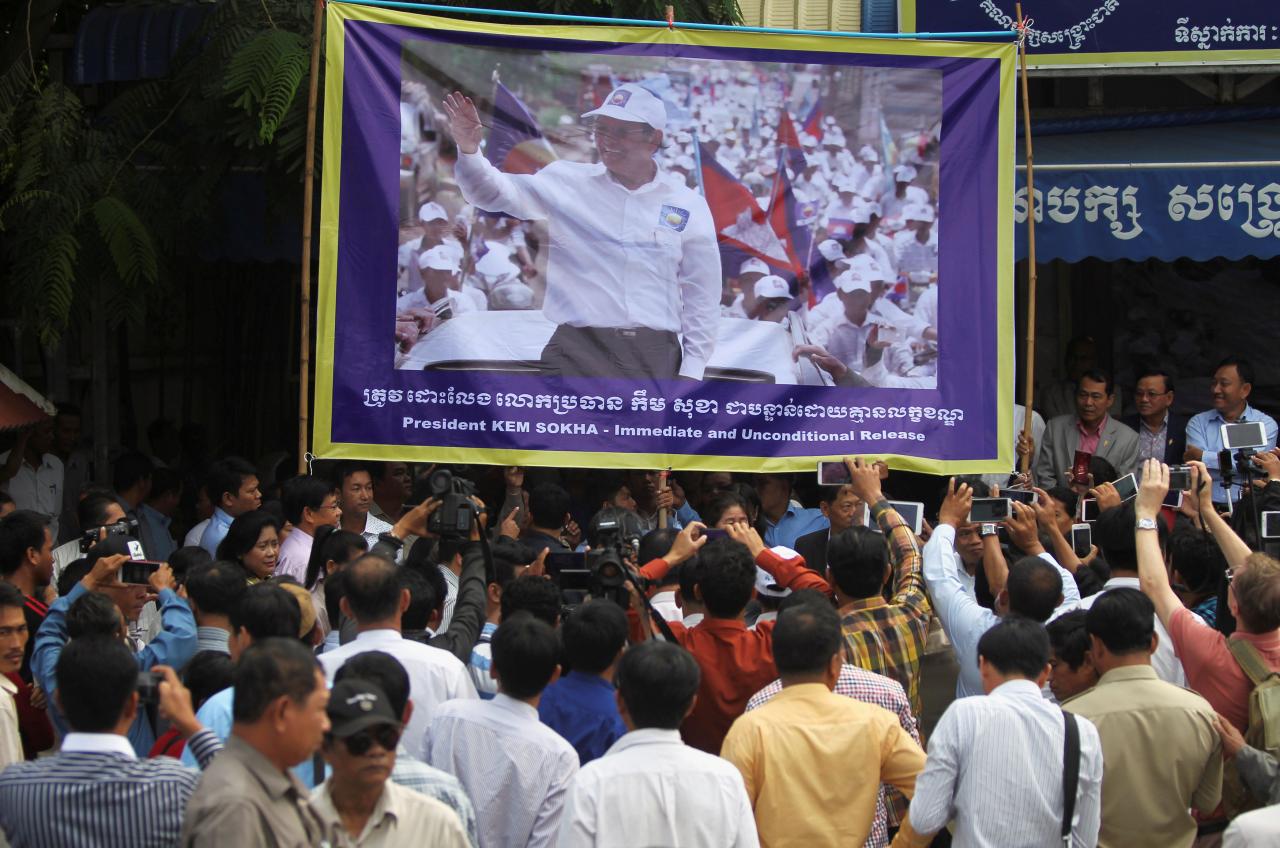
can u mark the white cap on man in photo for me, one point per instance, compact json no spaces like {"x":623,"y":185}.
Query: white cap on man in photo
{"x":918,"y":212}
{"x":511,"y":296}
{"x":753,"y":266}
{"x":432,"y":212}
{"x":867,"y":267}
{"x":850,"y":281}
{"x":904,"y":174}
{"x":685,"y":163}
{"x":771,"y":286}
{"x":868,"y":154}
{"x":440,"y":258}
{"x":831,"y":250}
{"x":633,"y":103}
{"x":496,"y":265}
{"x":808,"y":140}
{"x":845,"y":185}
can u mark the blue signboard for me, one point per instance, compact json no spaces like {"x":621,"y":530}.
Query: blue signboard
{"x":1115,"y":32}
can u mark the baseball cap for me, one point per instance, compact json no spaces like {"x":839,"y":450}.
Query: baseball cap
{"x":846,"y":184}
{"x":511,"y":296}
{"x":772,"y":286}
{"x":308,"y":607}
{"x":861,"y":212}
{"x":432,"y":212}
{"x":633,"y":103}
{"x":768,"y":168}
{"x":918,"y":212}
{"x":831,"y":250}
{"x":807,"y":140}
{"x":766,"y":583}
{"x":904,"y":173}
{"x":440,"y":258}
{"x":834,"y":138}
{"x":753,"y":266}
{"x":851,"y":281}
{"x":496,"y":263}
{"x":868,"y":153}
{"x":685,"y":162}
{"x":356,"y":704}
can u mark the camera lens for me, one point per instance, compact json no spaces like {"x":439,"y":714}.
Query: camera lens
{"x":441,"y":482}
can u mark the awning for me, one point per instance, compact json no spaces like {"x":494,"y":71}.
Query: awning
{"x":20,"y":405}
{"x":1194,"y":192}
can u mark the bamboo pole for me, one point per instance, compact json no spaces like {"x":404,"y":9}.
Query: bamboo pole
{"x":308,"y":193}
{"x":1029,"y":363}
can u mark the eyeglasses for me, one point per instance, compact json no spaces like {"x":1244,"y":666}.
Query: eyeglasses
{"x":1145,"y":394}
{"x":1231,"y":575}
{"x":358,"y":744}
{"x":624,"y":135}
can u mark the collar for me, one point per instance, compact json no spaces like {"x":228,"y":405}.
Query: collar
{"x":801,"y":691}
{"x":98,"y":743}
{"x":1127,"y":673}
{"x":693,"y":620}
{"x":385,"y":636}
{"x":1018,"y":689}
{"x":645,"y":736}
{"x":711,"y":624}
{"x":518,"y":709}
{"x":594,"y":681}
{"x":1122,"y":583}
{"x":8,"y":685}
{"x":1244,"y":416}
{"x":1262,"y":641}
{"x":1163,"y":424}
{"x":864,"y":604}
{"x":275,"y":782}
{"x":212,"y":636}
{"x":1102,"y":424}
{"x":221,"y":517}
{"x":663,"y":596}
{"x":155,"y":514}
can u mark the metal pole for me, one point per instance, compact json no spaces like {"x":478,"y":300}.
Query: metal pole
{"x":1029,"y":365}
{"x":308,"y":192}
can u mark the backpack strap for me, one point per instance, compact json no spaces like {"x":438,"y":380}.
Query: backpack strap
{"x":1070,"y":774}
{"x":1249,"y":660}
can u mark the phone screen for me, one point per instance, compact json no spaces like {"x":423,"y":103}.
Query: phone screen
{"x":1251,"y":434}
{"x":1081,"y":539}
{"x":1271,"y":525}
{"x":1180,"y":478}
{"x":138,"y":572}
{"x":1173,"y":499}
{"x":912,"y":513}
{"x":712,"y":534}
{"x":569,"y":570}
{"x":1089,"y":509}
{"x":1021,"y":495}
{"x":1127,"y":487}
{"x":833,"y":473}
{"x":990,"y":509}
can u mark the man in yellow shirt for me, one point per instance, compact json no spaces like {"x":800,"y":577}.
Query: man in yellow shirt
{"x":813,"y":761}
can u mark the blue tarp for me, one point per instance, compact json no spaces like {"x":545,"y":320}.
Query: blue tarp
{"x":1193,"y":192}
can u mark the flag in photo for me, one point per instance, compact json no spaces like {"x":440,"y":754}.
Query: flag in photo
{"x":738,"y":218}
{"x":516,"y":144}
{"x":789,"y":141}
{"x":813,"y":121}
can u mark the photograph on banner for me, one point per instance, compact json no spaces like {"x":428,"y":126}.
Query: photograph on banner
{"x":780,"y":221}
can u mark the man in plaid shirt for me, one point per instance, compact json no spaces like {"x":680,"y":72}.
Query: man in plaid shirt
{"x":870,"y":688}
{"x":884,"y":637}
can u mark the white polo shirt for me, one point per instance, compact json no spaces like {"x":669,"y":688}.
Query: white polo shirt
{"x":618,"y":258}
{"x":38,"y":489}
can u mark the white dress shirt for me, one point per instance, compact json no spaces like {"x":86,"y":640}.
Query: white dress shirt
{"x":846,"y":341}
{"x":515,"y":769}
{"x":435,"y":676}
{"x":38,"y":489}
{"x":402,"y":818}
{"x":194,"y":535}
{"x":295,"y":554}
{"x":10,"y":740}
{"x":650,"y":789}
{"x":1256,"y":829}
{"x":618,"y":258}
{"x":995,"y":767}
{"x":963,"y":620}
{"x":1166,"y":663}
{"x":665,"y":604}
{"x":914,"y":257}
{"x":98,"y":743}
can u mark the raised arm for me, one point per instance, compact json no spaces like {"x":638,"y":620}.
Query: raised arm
{"x":483,"y":185}
{"x":1152,"y":574}
{"x":1233,"y":547}
{"x":904,"y":549}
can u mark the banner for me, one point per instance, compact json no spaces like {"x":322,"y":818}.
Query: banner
{"x":630,"y":247}
{"x":1110,"y":32}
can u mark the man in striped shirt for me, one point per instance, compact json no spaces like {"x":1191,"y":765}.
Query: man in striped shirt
{"x":96,"y":793}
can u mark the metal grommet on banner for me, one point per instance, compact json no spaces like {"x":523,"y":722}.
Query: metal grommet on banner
{"x":309,"y":458}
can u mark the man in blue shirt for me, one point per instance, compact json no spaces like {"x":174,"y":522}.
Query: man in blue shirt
{"x":785,"y":520}
{"x":156,"y":514}
{"x":233,"y":488}
{"x":582,"y":706}
{"x":1231,"y":386}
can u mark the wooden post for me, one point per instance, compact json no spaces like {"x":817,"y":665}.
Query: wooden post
{"x":1029,"y":366}
{"x":308,"y":192}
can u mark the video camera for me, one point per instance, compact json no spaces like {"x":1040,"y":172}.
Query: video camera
{"x":615,"y":536}
{"x":127,"y":527}
{"x":454,"y":517}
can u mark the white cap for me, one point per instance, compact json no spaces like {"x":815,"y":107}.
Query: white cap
{"x":918,"y":212}
{"x":496,"y":264}
{"x":834,"y":138}
{"x":904,"y":173}
{"x":867,"y":268}
{"x":917,"y":196}
{"x":511,"y":296}
{"x":683,"y":137}
{"x":753,"y":266}
{"x":685,"y":162}
{"x":868,"y":154}
{"x":432,"y":212}
{"x":766,"y":583}
{"x":731,"y":135}
{"x":440,"y":258}
{"x":766,"y":132}
{"x":808,"y":140}
{"x":772,"y":286}
{"x":829,"y":120}
{"x":851,"y":281}
{"x":861,"y":212}
{"x":831,"y":250}
{"x":633,"y":103}
{"x":844,"y":184}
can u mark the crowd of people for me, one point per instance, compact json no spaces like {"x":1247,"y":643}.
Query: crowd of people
{"x":858,"y":295}
{"x":361,"y":655}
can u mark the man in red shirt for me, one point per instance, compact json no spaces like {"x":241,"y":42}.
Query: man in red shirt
{"x":1253,"y":596}
{"x":26,"y":561}
{"x":736,"y":662}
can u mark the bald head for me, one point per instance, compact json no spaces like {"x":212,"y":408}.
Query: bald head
{"x":373,"y":589}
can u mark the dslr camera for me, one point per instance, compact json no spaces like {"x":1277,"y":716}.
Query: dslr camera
{"x":615,"y":536}
{"x":127,"y":527}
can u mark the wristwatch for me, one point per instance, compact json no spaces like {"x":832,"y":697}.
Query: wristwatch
{"x":1146,"y":524}
{"x":989,"y":530}
{"x":391,"y":540}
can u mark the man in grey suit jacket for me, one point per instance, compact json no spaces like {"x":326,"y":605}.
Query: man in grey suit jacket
{"x":1102,"y":435}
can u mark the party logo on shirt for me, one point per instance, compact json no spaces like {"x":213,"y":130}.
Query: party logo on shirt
{"x":673,"y":217}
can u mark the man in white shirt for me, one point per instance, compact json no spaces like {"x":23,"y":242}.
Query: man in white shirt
{"x":354,"y":484}
{"x":359,"y":798}
{"x":916,"y":247}
{"x":309,"y":503}
{"x":32,"y":475}
{"x":13,"y":644}
{"x":995,"y":764}
{"x":650,"y":788}
{"x":633,"y":259}
{"x":515,"y":768}
{"x":840,"y":346}
{"x":375,"y":599}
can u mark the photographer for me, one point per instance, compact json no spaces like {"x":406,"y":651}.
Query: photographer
{"x":96,"y":509}
{"x":96,"y":791}
{"x":1232,"y":384}
{"x":174,"y":646}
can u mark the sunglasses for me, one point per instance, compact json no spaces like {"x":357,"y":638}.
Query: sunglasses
{"x":358,"y":744}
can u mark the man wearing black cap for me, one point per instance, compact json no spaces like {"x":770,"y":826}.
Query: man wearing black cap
{"x":360,"y":748}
